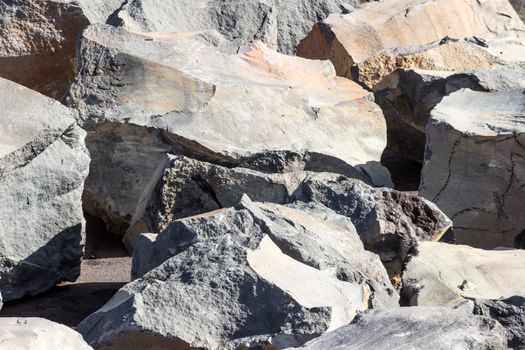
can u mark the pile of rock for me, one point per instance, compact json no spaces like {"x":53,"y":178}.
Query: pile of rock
{"x":248,"y":178}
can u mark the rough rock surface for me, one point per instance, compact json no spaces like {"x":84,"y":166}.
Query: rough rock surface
{"x":142,"y":96}
{"x":350,"y":40}
{"x":242,"y":276}
{"x":444,"y":274}
{"x":474,"y":165}
{"x":281,"y":24}
{"x":407,"y":96}
{"x":43,"y":164}
{"x":508,"y":312}
{"x":38,"y":334}
{"x":414,"y":328}
{"x":519,"y":6}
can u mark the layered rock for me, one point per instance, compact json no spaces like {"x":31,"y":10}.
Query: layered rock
{"x":358,"y":43}
{"x":43,"y":164}
{"x":142,"y":96}
{"x":280,"y":24}
{"x":508,"y":312}
{"x":474,"y":164}
{"x":38,"y":334}
{"x":443,"y":274}
{"x":240,"y":277}
{"x":414,"y":328}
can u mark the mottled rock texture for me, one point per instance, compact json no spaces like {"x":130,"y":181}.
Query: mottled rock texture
{"x":43,"y":164}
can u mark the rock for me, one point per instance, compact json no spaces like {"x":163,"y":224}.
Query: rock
{"x":519,"y":6}
{"x":407,"y":96}
{"x":240,"y":277}
{"x":37,"y":43}
{"x":444,"y":274}
{"x":352,"y":39}
{"x":508,"y":312}
{"x":43,"y":164}
{"x":143,"y":96}
{"x":389,"y":222}
{"x":281,"y":24}
{"x":474,"y":164}
{"x":414,"y":328}
{"x":38,"y":334}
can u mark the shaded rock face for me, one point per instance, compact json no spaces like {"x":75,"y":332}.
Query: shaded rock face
{"x":508,"y":312}
{"x":473,"y":165}
{"x":407,"y":96}
{"x":141,"y":96}
{"x":443,"y":274}
{"x":352,"y":39}
{"x":242,"y":277}
{"x":415,"y":328}
{"x":280,"y":24}
{"x":38,"y":334}
{"x":519,"y":6}
{"x":43,"y":164}
{"x":37,"y":43}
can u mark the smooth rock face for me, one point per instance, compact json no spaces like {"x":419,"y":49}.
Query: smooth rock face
{"x":242,"y":276}
{"x":414,"y":328}
{"x":349,"y":40}
{"x":281,"y":24}
{"x":38,"y":334}
{"x":143,"y":96}
{"x":474,"y":164}
{"x":444,"y":274}
{"x":407,"y":96}
{"x":37,"y":43}
{"x":43,"y":164}
{"x":508,"y":312}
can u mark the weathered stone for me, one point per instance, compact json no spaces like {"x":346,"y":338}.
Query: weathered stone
{"x":474,"y":165}
{"x":414,"y":328}
{"x":407,"y":96}
{"x":242,"y":276}
{"x":403,"y":25}
{"x":444,"y":274}
{"x":510,"y":313}
{"x":281,"y":24}
{"x":38,"y":334}
{"x":519,"y":6}
{"x":43,"y":164}
{"x":143,"y":96}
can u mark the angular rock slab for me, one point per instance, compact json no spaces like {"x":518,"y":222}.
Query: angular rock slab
{"x":351,"y":39}
{"x":43,"y":165}
{"x":240,"y":277}
{"x":38,"y":334}
{"x":414,"y":328}
{"x":142,"y":96}
{"x":444,"y":274}
{"x":508,"y":312}
{"x":280,"y":24}
{"x":474,"y":165}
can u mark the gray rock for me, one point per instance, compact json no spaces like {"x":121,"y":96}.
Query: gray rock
{"x":414,"y":328}
{"x":43,"y":164}
{"x":281,"y":24}
{"x":510,"y":313}
{"x":474,"y":164}
{"x":448,"y":275}
{"x":38,"y":334}
{"x":142,"y":96}
{"x":240,"y":277}
{"x":519,"y":6}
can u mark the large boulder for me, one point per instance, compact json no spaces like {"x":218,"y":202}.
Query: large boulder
{"x":281,"y":24}
{"x":142,"y":96}
{"x":43,"y":164}
{"x":474,"y":165}
{"x":243,"y":276}
{"x":414,"y":328}
{"x":444,"y":274}
{"x":38,"y":334}
{"x":351,"y":40}
{"x":508,"y":312}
